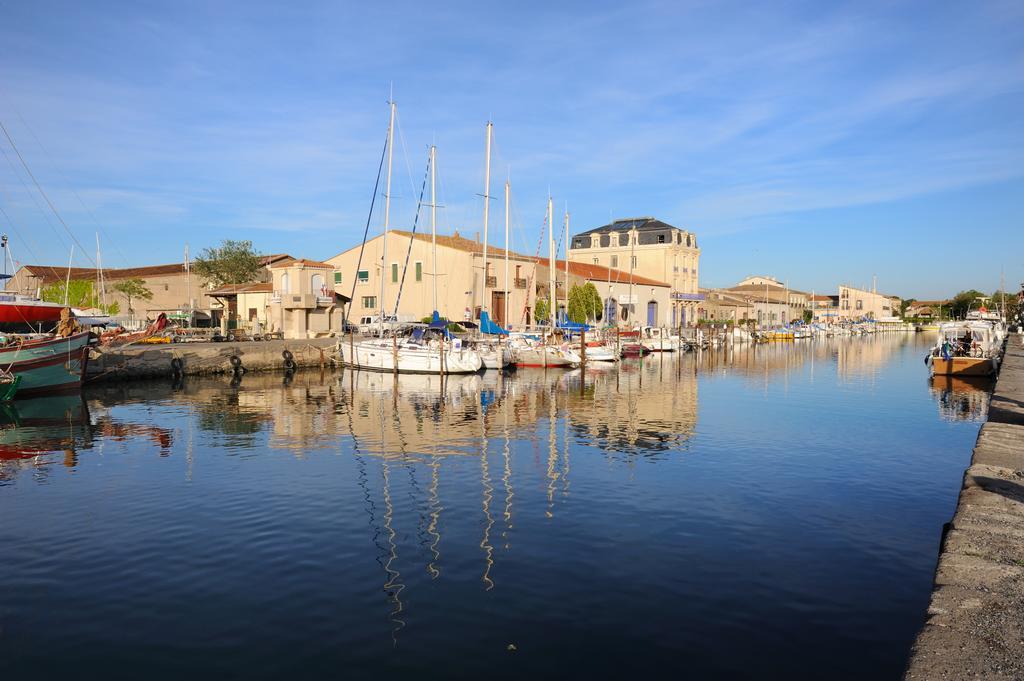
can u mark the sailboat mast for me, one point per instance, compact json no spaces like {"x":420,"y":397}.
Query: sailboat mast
{"x":551,"y":262}
{"x":508,"y":293}
{"x":387,"y":217}
{"x":487,"y":207}
{"x":433,"y":217}
{"x":632,"y":250}
{"x":565,"y":239}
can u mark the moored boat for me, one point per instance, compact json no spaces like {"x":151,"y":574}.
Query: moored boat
{"x":46,"y":365}
{"x":969,"y":348}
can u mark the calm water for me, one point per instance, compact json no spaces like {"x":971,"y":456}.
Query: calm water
{"x":772,"y":512}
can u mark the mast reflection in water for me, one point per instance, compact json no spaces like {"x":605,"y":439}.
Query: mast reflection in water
{"x":605,"y":522}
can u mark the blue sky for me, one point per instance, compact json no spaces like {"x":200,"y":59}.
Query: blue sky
{"x":817,"y":142}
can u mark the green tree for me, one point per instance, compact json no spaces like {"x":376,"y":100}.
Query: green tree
{"x":80,"y":294}
{"x":808,"y":316}
{"x":133,"y":288}
{"x":1011,"y":301}
{"x":541,"y":310}
{"x":964,"y":301}
{"x":584,"y":303}
{"x":233,"y":262}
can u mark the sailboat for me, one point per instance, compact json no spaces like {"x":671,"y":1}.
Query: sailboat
{"x":493,"y":353}
{"x":21,"y":311}
{"x":535,"y":351}
{"x":425,"y":350}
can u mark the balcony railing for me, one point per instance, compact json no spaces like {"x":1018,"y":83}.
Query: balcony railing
{"x":492,"y":282}
{"x":275,"y":297}
{"x":520,"y":283}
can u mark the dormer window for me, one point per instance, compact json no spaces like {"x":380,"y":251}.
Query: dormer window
{"x":661,"y":238}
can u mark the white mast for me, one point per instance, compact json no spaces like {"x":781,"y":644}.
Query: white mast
{"x":566,"y":240}
{"x":433,"y":216}
{"x":188,"y":284}
{"x":551,"y":262}
{"x":632,"y":250}
{"x":387,"y":218}
{"x":101,"y":294}
{"x":67,"y":282}
{"x":487,"y":208}
{"x":508,"y":294}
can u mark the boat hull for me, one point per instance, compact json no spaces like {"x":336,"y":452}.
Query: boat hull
{"x":49,"y":366}
{"x":12,"y":312}
{"x":545,"y":357}
{"x":381,"y":356}
{"x":963,"y":366}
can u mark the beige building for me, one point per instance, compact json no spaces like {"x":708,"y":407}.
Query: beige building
{"x":172,"y":287}
{"x":650,"y":248}
{"x":303,"y":302}
{"x":856,"y":303}
{"x":774,"y":303}
{"x":460,"y":281}
{"x":721,"y":305}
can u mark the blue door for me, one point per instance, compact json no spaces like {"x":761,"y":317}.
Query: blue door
{"x":609,"y":311}
{"x":652,"y":313}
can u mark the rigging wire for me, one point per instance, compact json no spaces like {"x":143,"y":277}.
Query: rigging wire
{"x":44,"y":195}
{"x":366,"y":231}
{"x":415,"y":222}
{"x":88,"y":211}
{"x":34,"y":198}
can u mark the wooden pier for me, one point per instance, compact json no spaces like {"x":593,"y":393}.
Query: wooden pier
{"x":975,"y":624}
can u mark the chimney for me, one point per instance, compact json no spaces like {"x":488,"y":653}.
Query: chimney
{"x":478,"y":237}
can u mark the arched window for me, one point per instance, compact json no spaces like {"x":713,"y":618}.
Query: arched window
{"x":316,"y":285}
{"x":285,"y":287}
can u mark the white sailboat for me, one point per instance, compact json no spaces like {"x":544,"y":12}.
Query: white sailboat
{"x":426,"y":350}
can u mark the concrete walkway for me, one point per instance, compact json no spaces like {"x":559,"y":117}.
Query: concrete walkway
{"x":192,"y":359}
{"x":975,"y":625}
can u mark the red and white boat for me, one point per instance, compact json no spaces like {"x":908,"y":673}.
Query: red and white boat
{"x":19,"y":309}
{"x":47,"y":365}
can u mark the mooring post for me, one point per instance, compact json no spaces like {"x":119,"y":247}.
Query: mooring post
{"x":394,"y":353}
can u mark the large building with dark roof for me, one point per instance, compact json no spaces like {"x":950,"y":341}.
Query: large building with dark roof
{"x":647,"y":247}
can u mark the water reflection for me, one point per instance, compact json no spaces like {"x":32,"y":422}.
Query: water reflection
{"x":372,"y":516}
{"x":962,"y":399}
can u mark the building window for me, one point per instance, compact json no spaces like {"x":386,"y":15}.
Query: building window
{"x":615,"y":261}
{"x":661,"y":238}
{"x":578,"y":244}
{"x":633,"y":262}
{"x":860,"y":304}
{"x":363,"y":276}
{"x":623,"y":239}
{"x":369,"y":302}
{"x":167,"y":287}
{"x":394,"y":273}
{"x":597,"y":261}
{"x":419,"y":271}
{"x":285,"y":288}
{"x":337,"y":277}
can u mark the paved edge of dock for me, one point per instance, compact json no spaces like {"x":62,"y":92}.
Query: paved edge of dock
{"x":200,"y":359}
{"x":975,"y":622}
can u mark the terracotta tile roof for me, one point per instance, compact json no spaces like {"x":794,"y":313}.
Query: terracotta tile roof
{"x":304,"y":263}
{"x":234,"y":289}
{"x":595,"y":272}
{"x":600,"y":273}
{"x":49,"y":274}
